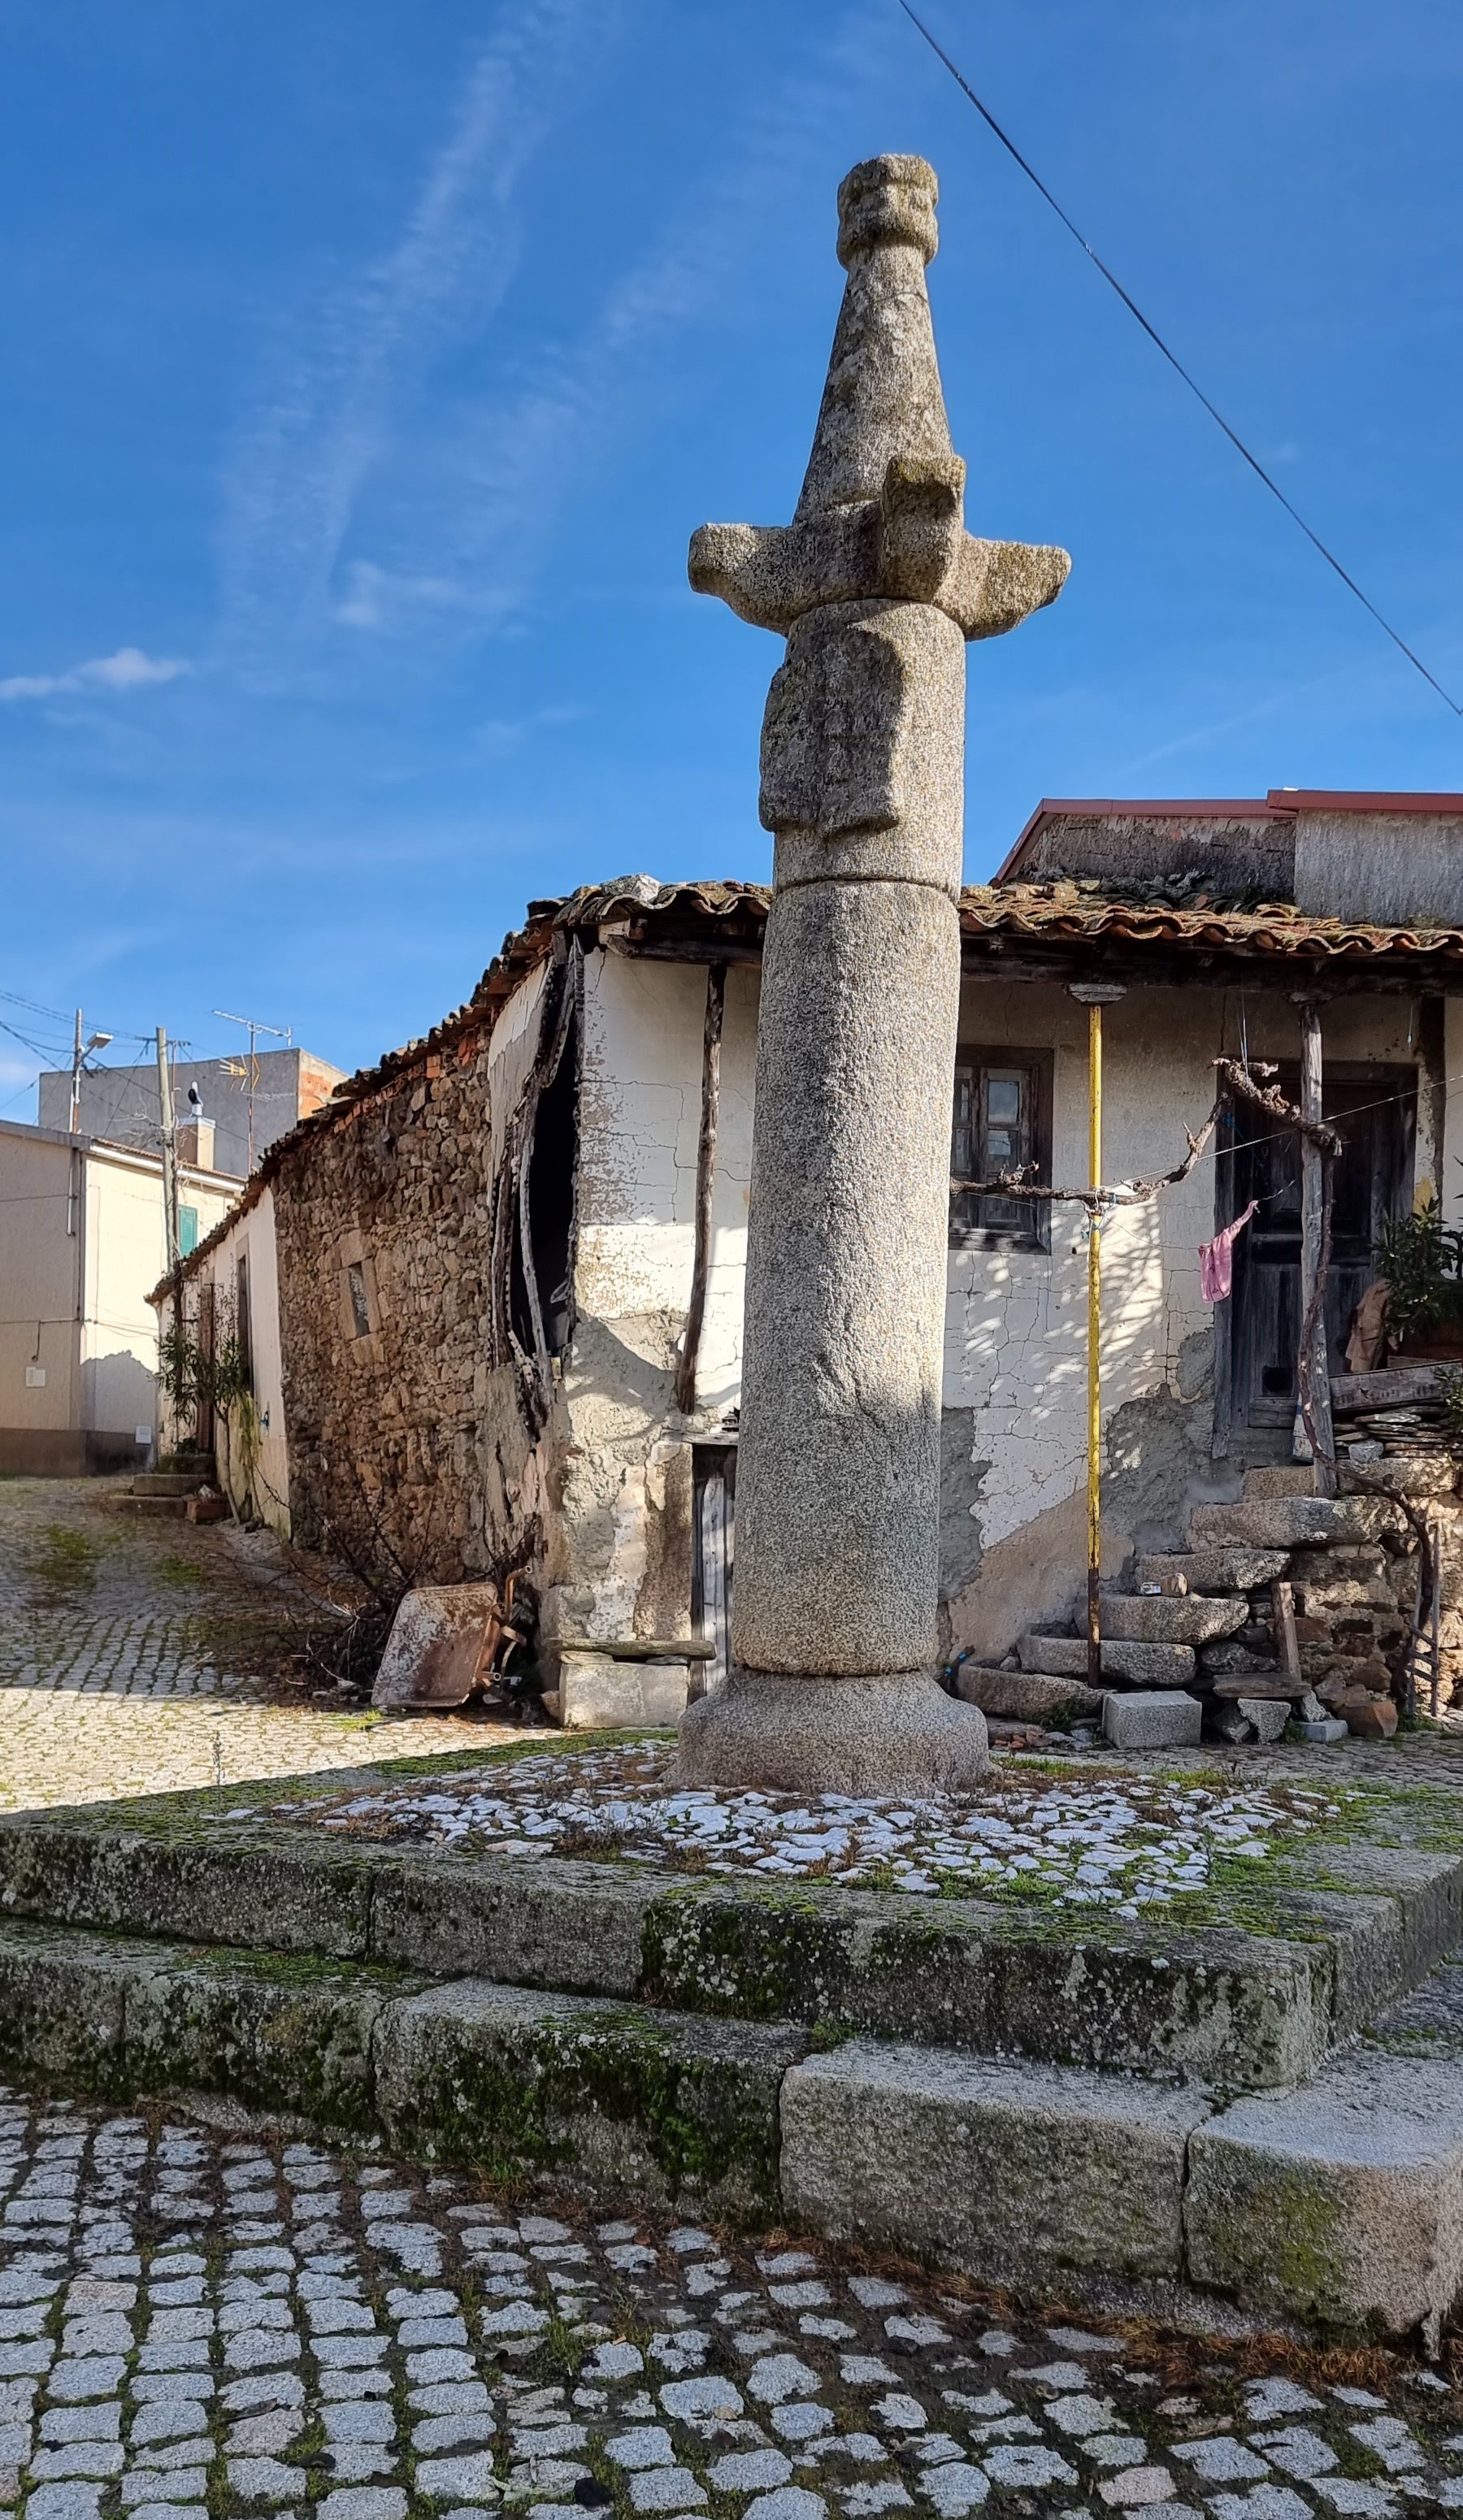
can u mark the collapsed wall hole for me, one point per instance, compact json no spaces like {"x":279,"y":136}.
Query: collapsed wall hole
{"x":549,"y":1179}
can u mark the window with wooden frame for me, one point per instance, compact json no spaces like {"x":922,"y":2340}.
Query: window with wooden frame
{"x":1001,"y":1124}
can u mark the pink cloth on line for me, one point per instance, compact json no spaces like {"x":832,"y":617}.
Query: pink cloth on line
{"x":1216,"y":1258}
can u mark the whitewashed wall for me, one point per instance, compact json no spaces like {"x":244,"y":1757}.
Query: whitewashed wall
{"x":1016,"y":1320}
{"x":639,"y":1125}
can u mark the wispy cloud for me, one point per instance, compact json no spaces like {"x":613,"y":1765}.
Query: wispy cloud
{"x":128,"y":670}
{"x":517,"y":459}
{"x":327,"y":422}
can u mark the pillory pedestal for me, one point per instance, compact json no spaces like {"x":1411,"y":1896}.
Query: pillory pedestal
{"x":878,"y":586}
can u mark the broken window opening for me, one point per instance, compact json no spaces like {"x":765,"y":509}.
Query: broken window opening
{"x":548,"y":1200}
{"x":1001,"y":1124}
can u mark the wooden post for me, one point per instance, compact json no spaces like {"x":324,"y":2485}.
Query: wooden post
{"x":1316,"y":1368}
{"x":1094,"y":1338}
{"x":706,"y":1184}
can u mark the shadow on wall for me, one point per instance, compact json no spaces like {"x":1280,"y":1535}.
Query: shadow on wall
{"x":1157,"y":1466}
{"x":118,"y":1394}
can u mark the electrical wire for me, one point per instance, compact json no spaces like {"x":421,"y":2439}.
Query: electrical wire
{"x":1175,"y":363}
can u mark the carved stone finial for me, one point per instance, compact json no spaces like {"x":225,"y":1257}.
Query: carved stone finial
{"x":881,"y":510}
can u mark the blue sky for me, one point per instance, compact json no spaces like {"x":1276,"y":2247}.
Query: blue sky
{"x":369,"y":367}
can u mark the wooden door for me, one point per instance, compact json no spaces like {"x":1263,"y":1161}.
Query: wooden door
{"x":1375,"y":1112}
{"x":713,"y":1553}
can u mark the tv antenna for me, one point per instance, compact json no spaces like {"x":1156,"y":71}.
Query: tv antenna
{"x":249,"y":1069}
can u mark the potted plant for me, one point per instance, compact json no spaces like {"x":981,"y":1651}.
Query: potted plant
{"x":1422,"y":1261}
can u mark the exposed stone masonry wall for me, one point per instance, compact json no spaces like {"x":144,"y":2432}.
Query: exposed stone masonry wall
{"x":404,"y":1435}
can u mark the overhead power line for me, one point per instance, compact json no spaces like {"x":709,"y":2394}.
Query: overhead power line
{"x":1174,"y":362}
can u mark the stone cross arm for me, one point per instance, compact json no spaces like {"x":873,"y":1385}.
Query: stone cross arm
{"x":909,"y":545}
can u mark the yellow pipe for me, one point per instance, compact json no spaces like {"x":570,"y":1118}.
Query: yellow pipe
{"x":1094,"y":1328}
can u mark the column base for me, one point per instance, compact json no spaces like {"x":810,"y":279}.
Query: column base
{"x":895,"y":1732}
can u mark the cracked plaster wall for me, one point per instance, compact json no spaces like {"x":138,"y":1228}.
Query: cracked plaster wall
{"x":620,"y":1560}
{"x":1016,"y":1320}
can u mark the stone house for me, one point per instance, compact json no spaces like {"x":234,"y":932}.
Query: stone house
{"x":509,"y":1258}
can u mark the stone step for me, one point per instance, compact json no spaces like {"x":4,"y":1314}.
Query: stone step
{"x":610,"y":2096}
{"x":1173,"y":1619}
{"x":1335,"y":2204}
{"x":1216,"y":1570}
{"x":156,"y":1508}
{"x":166,"y":1483}
{"x":1052,"y":2180}
{"x":1288,"y":1522}
{"x":1141,"y":1664}
{"x":1212,"y":2002}
{"x":1280,"y":1479}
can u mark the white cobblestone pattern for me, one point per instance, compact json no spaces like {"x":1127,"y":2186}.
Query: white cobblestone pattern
{"x":1088,"y":1840}
{"x":143,"y":1657}
{"x":192,"y":2327}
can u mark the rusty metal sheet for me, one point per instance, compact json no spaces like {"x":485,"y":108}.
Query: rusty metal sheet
{"x":441,"y":1645}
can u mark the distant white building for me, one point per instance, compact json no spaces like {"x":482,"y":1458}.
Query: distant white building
{"x":82,"y":1240}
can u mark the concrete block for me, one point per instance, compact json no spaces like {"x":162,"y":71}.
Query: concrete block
{"x":1012,"y":2174}
{"x":1342,"y":2202}
{"x":613,"y":2099}
{"x":1268,"y":1715}
{"x":1152,"y":1719}
{"x":1172,"y":1619}
{"x":1330,"y":1729}
{"x":1151,"y":1666}
{"x":598,"y":1693}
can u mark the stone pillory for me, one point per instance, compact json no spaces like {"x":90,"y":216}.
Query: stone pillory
{"x":876,"y":585}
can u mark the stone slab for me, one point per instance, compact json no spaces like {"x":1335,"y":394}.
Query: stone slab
{"x":603,"y":1693}
{"x":1142,"y":1665}
{"x":1341,"y":2203}
{"x":1029,"y":1696}
{"x":616,"y":2099}
{"x":1172,"y":1618}
{"x":1287,"y":1522}
{"x":1012,"y":2173}
{"x":565,"y":1923}
{"x":1268,"y":1715}
{"x":1246,"y":2011}
{"x":1152,"y":1719}
{"x":190,"y":1879}
{"x":1216,"y":1570}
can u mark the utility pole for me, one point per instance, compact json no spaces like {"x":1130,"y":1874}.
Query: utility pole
{"x":231,"y":1066}
{"x":169,"y":1153}
{"x":1094,"y":996}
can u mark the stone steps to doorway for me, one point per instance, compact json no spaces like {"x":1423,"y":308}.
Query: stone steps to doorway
{"x":1082,"y":2109}
{"x":1135,"y":1663}
{"x":164,"y":1494}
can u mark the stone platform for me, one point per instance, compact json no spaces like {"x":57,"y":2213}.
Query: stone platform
{"x":1186,"y":2109}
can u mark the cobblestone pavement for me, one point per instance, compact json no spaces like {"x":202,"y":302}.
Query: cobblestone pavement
{"x":192,"y":2327}
{"x":143,"y":1656}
